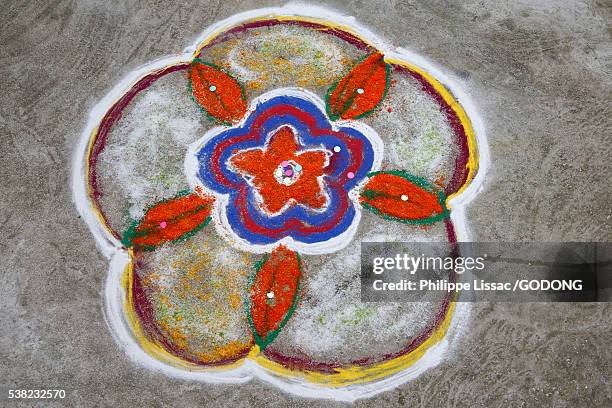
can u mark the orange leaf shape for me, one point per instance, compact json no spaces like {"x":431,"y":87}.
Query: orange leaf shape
{"x":360,"y":91}
{"x":402,"y":197}
{"x":170,"y":220}
{"x":273,"y":294}
{"x":218,"y":93}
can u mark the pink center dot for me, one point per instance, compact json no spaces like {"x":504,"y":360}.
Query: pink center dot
{"x":350,"y":175}
{"x":288,"y":172}
{"x":163,"y":224}
{"x":284,"y":163}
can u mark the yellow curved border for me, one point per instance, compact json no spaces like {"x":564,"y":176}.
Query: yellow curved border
{"x":360,"y":374}
{"x":153,"y":348}
{"x":342,"y":376}
{"x":472,"y":163}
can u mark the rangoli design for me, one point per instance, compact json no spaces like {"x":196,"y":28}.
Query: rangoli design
{"x":232,"y":185}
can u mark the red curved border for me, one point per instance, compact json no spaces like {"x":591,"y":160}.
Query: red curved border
{"x":107,"y":122}
{"x":145,"y":312}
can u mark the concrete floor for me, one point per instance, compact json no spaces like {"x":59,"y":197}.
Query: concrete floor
{"x":540,"y":75}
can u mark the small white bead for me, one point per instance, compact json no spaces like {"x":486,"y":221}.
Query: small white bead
{"x":270,"y":295}
{"x":212,"y":88}
{"x":404,"y":197}
{"x":360,"y":91}
{"x":337,"y":149}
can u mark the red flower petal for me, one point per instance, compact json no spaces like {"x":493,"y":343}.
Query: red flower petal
{"x":274,"y":294}
{"x":399,"y":196}
{"x":169,"y":220}
{"x":360,"y":91}
{"x":217,"y":92}
{"x":261,"y":165}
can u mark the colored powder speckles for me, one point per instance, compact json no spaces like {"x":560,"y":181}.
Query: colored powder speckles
{"x":197,"y":290}
{"x":196,"y":300}
{"x":295,"y":60}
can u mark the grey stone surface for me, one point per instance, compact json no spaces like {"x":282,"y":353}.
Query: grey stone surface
{"x":540,"y":75}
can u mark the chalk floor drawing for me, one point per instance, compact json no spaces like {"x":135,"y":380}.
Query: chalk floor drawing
{"x":231,"y":187}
